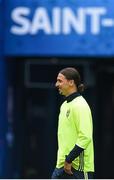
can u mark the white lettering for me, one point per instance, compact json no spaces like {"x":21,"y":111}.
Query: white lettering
{"x":59,"y":21}
{"x":95,"y":14}
{"x":71,"y":21}
{"x":41,"y":22}
{"x":23,"y":23}
{"x":56,"y":21}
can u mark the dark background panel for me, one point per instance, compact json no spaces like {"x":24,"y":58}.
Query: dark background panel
{"x":35,"y":114}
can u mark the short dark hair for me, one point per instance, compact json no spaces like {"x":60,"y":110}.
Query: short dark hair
{"x":72,"y":74}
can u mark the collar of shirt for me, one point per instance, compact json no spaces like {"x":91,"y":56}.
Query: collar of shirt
{"x":72,"y":96}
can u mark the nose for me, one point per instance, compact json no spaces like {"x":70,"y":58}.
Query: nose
{"x":56,"y":84}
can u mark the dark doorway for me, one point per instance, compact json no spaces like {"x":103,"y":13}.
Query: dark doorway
{"x":105,"y":123}
{"x":40,"y":133}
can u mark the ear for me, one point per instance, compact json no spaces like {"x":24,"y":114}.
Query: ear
{"x":71,"y":82}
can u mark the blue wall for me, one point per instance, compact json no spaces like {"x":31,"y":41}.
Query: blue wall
{"x":3,"y":100}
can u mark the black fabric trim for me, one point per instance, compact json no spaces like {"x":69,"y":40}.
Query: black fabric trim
{"x":74,"y":153}
{"x":72,"y":96}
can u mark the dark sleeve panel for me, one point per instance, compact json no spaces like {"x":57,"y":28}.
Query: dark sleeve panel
{"x":74,"y":153}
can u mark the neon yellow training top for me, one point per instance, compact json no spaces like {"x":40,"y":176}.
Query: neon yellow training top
{"x":75,"y":128}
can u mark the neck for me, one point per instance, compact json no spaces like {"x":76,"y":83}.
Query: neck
{"x":71,"y":92}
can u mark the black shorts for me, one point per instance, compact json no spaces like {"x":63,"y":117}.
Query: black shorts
{"x":59,"y":173}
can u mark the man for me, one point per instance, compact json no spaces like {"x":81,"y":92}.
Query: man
{"x":75,"y":158}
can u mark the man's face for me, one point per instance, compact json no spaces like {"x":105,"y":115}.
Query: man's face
{"x":63,"y":84}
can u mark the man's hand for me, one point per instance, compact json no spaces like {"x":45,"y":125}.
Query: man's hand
{"x":67,"y":168}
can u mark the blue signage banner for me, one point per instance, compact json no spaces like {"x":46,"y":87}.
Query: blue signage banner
{"x":59,"y":28}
